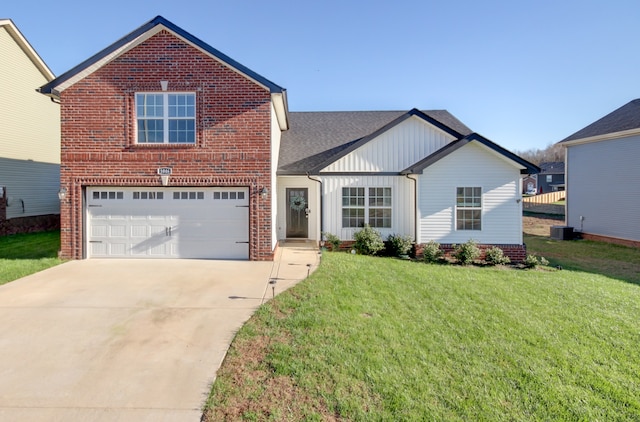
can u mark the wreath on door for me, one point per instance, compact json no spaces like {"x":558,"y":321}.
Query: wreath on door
{"x":298,"y":203}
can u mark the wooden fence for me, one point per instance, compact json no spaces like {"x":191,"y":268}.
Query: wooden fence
{"x":544,"y":198}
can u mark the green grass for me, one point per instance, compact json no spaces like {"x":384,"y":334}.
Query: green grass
{"x":608,"y":259}
{"x":24,"y":254}
{"x":383,"y":339}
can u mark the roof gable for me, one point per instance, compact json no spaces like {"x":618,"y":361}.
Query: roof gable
{"x":22,"y":42}
{"x":625,"y":118}
{"x":138,"y":36}
{"x":525,"y":166}
{"x":318,"y":139}
{"x":146,"y":31}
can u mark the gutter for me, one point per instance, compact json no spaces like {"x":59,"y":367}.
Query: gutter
{"x":321,"y":206}
{"x":415,"y":207}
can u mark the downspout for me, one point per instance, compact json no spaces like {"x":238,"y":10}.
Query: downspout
{"x":415,"y":207}
{"x":321,"y":207}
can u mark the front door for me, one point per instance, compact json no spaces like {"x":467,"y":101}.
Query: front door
{"x":297,"y":210}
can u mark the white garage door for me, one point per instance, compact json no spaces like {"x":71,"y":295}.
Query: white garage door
{"x":168,"y":222}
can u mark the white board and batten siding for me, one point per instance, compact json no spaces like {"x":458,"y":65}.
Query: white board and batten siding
{"x":470,"y":166}
{"x":402,"y":217}
{"x":603,"y":186}
{"x":394,"y":150}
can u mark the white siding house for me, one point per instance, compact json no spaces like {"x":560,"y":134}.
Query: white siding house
{"x":29,"y":132}
{"x":401,"y":174}
{"x":501,"y":208}
{"x":602,"y":180}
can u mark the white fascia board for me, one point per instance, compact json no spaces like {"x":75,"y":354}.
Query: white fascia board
{"x":15,"y":33}
{"x":280,"y":106}
{"x":605,"y":137}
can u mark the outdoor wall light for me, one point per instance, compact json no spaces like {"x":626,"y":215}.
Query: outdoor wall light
{"x":264,"y":192}
{"x":62,"y":193}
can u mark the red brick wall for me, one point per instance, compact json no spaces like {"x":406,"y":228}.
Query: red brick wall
{"x":98,"y":134}
{"x":599,"y":238}
{"x":517,"y":253}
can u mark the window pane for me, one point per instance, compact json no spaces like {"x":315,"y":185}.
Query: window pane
{"x":150,"y":131}
{"x":182,"y":105}
{"x":182,"y":131}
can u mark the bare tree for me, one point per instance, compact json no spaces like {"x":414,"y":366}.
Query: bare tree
{"x":552,"y":153}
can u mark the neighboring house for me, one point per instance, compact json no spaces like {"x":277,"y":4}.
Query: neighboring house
{"x":551,"y":177}
{"x":29,"y":138}
{"x":603,"y":183}
{"x":172,"y":149}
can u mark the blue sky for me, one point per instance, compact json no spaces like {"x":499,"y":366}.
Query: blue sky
{"x":522,"y":73}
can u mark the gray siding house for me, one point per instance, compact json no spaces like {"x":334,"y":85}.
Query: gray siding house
{"x":602,"y":177}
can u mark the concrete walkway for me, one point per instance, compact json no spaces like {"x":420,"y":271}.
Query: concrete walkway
{"x":129,"y":340}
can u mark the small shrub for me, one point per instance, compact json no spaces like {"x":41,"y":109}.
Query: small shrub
{"x":333,"y":240}
{"x":368,"y":241}
{"x":431,"y":252}
{"x":467,"y":252}
{"x":399,"y":245}
{"x":532,"y":261}
{"x":496,"y":256}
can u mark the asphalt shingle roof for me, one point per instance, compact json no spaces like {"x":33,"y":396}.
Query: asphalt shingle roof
{"x":625,"y":118}
{"x":316,"y":137}
{"x":552,"y":167}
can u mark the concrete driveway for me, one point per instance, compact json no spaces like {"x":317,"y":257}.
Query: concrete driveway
{"x":128,"y":340}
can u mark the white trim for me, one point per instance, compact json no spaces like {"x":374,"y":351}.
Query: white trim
{"x":165,"y":117}
{"x":604,"y":137}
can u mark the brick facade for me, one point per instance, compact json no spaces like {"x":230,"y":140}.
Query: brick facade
{"x":517,"y":253}
{"x":233,"y":127}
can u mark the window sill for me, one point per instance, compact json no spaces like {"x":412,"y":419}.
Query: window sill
{"x":135,"y":147}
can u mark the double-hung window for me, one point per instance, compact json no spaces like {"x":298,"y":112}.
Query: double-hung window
{"x":366,"y":205}
{"x":468,"y":208}
{"x":166,"y":118}
{"x":353,"y":207}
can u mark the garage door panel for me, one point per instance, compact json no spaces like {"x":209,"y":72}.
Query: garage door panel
{"x":169,"y":223}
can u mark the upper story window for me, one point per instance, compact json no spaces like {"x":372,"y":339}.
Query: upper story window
{"x":166,"y":118}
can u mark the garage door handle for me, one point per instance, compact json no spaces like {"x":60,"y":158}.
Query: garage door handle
{"x":242,"y":242}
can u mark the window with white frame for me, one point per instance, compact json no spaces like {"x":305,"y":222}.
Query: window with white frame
{"x":166,"y":118}
{"x":380,"y":207}
{"x":366,"y":205}
{"x":468,"y":208}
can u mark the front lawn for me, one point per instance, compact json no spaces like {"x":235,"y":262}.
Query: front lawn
{"x":24,"y":254}
{"x":384,"y":339}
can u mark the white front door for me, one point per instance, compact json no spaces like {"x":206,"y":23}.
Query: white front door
{"x":168,"y":222}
